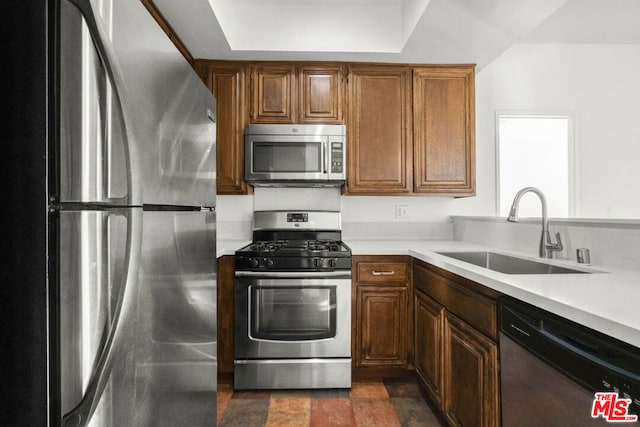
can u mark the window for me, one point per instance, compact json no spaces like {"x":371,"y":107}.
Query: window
{"x":535,"y":151}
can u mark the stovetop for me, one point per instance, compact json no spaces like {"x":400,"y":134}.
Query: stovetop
{"x":296,"y":248}
{"x":295,"y":241}
{"x":294,"y":255}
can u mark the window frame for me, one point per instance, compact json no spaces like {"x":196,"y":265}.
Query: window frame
{"x":572,"y":155}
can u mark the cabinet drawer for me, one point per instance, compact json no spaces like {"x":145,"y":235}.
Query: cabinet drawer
{"x":382,"y":272}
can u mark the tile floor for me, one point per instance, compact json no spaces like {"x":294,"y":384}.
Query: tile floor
{"x":385,"y":403}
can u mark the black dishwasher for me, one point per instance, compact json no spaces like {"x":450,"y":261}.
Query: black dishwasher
{"x":551,"y":369}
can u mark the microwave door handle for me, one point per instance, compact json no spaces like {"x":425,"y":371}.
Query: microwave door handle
{"x":326,"y":156}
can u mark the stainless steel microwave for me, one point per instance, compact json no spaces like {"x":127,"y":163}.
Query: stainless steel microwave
{"x":279,"y":155}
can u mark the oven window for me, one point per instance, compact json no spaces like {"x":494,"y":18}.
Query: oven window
{"x":287,"y":156}
{"x":293,"y":313}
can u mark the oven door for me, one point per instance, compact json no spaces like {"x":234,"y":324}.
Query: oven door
{"x":288,"y":315}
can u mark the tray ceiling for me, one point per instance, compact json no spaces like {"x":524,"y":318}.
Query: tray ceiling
{"x":411,"y":31}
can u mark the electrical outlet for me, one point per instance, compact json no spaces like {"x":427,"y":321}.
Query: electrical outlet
{"x":402,"y":211}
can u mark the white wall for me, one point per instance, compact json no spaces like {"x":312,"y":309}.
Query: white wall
{"x":374,"y":217}
{"x":599,"y":85}
{"x":363,"y":217}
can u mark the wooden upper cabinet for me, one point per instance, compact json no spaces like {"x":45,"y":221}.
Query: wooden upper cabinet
{"x":297,"y":93}
{"x":320,"y":94}
{"x":444,"y":130}
{"x":410,"y":129}
{"x":274,"y":93}
{"x":379,"y":143}
{"x":227,"y":82}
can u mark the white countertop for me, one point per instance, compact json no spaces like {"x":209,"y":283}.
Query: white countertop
{"x":607,"y":300}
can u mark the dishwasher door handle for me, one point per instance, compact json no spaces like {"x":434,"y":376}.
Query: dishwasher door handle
{"x":519,"y":330}
{"x":532,"y":332}
{"x":589,"y":352}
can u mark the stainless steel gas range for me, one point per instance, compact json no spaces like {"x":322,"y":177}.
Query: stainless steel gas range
{"x":293,"y":303}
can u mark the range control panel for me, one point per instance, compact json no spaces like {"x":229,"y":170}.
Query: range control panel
{"x":297,"y":217}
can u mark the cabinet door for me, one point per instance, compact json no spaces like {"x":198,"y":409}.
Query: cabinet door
{"x":227,"y":82}
{"x":225,"y":314}
{"x":470,"y":375}
{"x":429,"y":321}
{"x":382,"y":323}
{"x":320,"y":94}
{"x":444,"y":130}
{"x":274,"y":95}
{"x":378,"y":130}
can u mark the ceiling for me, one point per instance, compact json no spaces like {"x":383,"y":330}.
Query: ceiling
{"x":448,"y":31}
{"x":318,"y":25}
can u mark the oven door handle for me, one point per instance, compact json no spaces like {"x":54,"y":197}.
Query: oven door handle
{"x":294,"y":274}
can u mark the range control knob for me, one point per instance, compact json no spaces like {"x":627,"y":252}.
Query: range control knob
{"x":317,"y":262}
{"x":254,"y":262}
{"x":333,"y":262}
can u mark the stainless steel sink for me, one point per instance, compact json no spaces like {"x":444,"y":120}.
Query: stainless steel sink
{"x":509,"y":264}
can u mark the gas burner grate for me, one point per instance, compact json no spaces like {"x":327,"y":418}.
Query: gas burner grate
{"x":296,"y":245}
{"x":323,"y":245}
{"x":270,"y":246}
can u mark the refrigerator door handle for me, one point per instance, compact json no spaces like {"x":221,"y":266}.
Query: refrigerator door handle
{"x":132,"y":166}
{"x":124,"y":311}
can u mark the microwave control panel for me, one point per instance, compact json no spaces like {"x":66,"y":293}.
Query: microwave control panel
{"x":337,"y":156}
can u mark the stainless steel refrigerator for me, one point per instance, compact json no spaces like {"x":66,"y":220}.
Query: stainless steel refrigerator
{"x":135,"y":226}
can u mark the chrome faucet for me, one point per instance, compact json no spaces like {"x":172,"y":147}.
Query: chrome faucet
{"x":546,"y":246}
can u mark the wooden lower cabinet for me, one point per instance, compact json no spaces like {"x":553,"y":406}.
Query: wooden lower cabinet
{"x":382,"y":312}
{"x":470,"y":375}
{"x":429,"y":321}
{"x":456,"y":351}
{"x":225,"y":313}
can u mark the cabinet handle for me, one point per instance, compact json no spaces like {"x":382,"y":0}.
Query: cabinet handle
{"x":383,"y":273}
